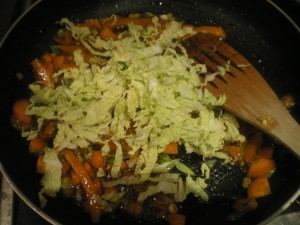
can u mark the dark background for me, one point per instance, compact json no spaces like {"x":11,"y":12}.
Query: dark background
{"x":11,"y":9}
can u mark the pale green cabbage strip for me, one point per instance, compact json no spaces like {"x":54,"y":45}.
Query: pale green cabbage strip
{"x":147,"y":82}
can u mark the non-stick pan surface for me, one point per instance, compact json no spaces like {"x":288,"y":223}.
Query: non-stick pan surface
{"x":255,"y":28}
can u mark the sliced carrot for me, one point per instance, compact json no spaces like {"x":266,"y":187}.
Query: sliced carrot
{"x":49,"y":130}
{"x":20,"y":125}
{"x":58,"y":61}
{"x":266,"y":152}
{"x":42,"y":74}
{"x":97,"y":160}
{"x":252,"y":147}
{"x":19,"y":110}
{"x":259,"y":187}
{"x":176,"y":219}
{"x":171,"y":149}
{"x":88,"y":185}
{"x":88,"y":169}
{"x":234,"y":151}
{"x":75,"y":180}
{"x":97,"y":184}
{"x":261,"y":167}
{"x":37,"y":144}
{"x":40,"y":165}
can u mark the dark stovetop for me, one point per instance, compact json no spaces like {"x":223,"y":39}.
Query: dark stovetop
{"x":22,"y":214}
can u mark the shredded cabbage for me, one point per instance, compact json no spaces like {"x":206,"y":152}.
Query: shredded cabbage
{"x":51,"y":180}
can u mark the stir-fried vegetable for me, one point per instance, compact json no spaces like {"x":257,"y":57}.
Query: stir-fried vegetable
{"x":116,"y":105}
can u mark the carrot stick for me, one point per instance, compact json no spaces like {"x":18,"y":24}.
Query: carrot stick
{"x":176,"y":219}
{"x":88,"y":169}
{"x":171,"y":149}
{"x":252,"y":147}
{"x":19,"y":111}
{"x":75,"y":180}
{"x":97,"y":184}
{"x":88,"y":185}
{"x":37,"y":144}
{"x":261,"y":167}
{"x":109,"y":189}
{"x":42,"y":74}
{"x":259,"y":187}
{"x":97,"y":160}
{"x":40,"y":165}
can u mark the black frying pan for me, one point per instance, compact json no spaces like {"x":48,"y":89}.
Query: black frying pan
{"x":256,"y":28}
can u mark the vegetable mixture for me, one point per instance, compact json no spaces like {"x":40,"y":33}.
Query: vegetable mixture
{"x":115,"y":106}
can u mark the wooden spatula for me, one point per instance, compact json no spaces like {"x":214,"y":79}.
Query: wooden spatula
{"x":249,"y":96}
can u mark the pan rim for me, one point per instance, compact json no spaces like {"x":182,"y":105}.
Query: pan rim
{"x":50,"y":219}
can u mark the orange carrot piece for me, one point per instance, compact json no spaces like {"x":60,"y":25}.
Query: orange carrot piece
{"x":259,"y":187}
{"x":88,"y":185}
{"x":252,"y":147}
{"x":19,"y":111}
{"x":42,"y":74}
{"x":88,"y":169}
{"x":266,"y":152}
{"x":234,"y":151}
{"x":58,"y":61}
{"x":50,"y":129}
{"x":75,"y":180}
{"x":171,"y":149}
{"x":80,"y":171}
{"x":261,"y":167}
{"x":176,"y":219}
{"x":98,"y":185}
{"x":37,"y":144}
{"x":97,"y":160}
{"x":40,"y":165}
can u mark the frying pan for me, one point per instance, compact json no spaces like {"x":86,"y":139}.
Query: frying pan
{"x":256,"y":28}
